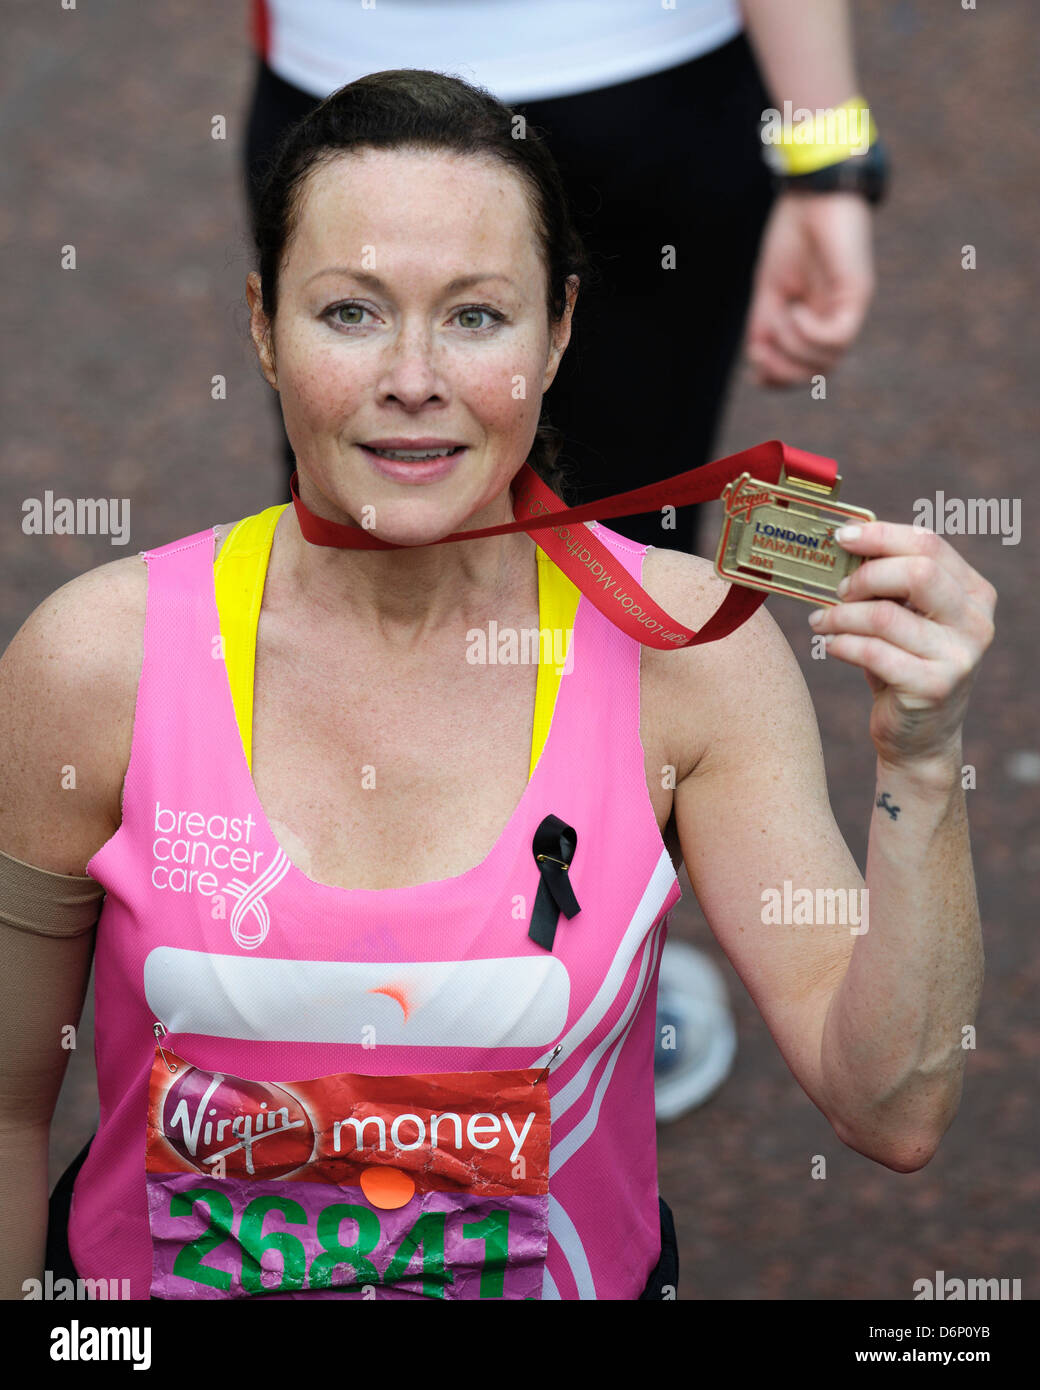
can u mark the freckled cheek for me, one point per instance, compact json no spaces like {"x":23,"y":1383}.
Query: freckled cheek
{"x":505,"y":394}
{"x":498,"y":402}
{"x":323,"y":388}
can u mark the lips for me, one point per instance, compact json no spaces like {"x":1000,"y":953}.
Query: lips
{"x":427,"y":442}
{"x":403,"y":467}
{"x":413,"y":453}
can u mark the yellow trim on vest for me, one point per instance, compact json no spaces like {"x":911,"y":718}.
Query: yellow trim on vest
{"x":240,"y":570}
{"x":557,"y":604}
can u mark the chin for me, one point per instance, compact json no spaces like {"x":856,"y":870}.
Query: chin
{"x":408,"y":522}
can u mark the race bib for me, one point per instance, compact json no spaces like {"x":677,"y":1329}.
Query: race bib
{"x":427,"y":1186}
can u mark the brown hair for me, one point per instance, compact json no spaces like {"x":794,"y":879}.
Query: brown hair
{"x":427,"y":110}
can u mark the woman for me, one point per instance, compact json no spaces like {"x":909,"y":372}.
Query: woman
{"x":716,"y":67}
{"x":333,"y":997}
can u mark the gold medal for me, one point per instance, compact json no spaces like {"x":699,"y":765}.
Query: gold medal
{"x":780,"y":537}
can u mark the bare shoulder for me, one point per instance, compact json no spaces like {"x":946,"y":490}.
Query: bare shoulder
{"x":702,"y":694}
{"x":68,"y":691}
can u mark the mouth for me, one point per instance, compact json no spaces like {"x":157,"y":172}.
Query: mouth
{"x":415,"y":454}
{"x":414,"y":461}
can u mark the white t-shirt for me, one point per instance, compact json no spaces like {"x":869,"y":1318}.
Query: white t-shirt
{"x":520,"y":50}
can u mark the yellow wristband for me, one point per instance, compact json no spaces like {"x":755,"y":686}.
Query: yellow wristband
{"x":804,"y":140}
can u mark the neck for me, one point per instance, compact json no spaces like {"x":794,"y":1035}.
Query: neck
{"x":410,"y":593}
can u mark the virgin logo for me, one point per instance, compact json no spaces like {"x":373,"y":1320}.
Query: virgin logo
{"x":258,"y":1129}
{"x":738,"y":501}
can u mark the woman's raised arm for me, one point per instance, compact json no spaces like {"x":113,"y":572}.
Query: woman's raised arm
{"x":866,"y":987}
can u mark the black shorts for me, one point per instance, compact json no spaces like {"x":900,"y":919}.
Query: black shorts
{"x":674,"y":158}
{"x":662,"y":1284}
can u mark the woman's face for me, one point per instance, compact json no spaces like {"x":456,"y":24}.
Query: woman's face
{"x":374,"y":347}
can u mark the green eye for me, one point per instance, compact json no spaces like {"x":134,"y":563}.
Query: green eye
{"x":493,"y":314}
{"x":337,"y":310}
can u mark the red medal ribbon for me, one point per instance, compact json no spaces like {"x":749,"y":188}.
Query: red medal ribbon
{"x":587,"y":562}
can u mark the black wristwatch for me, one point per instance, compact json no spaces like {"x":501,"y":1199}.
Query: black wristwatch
{"x":867,"y":174}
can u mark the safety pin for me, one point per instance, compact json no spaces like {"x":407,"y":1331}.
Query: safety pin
{"x":545,"y":1070}
{"x":540,"y":857}
{"x":160,"y":1032}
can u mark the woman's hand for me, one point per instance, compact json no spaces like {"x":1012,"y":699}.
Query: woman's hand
{"x":917,"y":618}
{"x":813,"y":284}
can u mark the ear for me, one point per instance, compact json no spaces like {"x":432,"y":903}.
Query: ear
{"x":260,"y":329}
{"x":561,"y":333}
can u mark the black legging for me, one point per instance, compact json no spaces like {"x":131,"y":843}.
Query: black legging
{"x":673,"y":159}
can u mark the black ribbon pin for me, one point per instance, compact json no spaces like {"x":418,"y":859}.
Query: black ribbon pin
{"x":553,"y":847}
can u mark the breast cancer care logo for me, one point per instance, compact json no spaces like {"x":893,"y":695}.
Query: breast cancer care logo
{"x":250,"y":920}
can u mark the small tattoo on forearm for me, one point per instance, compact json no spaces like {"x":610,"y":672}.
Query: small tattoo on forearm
{"x":883,"y":802}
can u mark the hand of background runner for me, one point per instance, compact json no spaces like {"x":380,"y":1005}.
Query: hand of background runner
{"x":917,"y":618}
{"x":813,"y":283}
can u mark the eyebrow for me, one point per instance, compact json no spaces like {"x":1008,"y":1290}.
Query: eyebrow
{"x":365,"y":277}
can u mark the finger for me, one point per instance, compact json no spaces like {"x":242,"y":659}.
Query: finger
{"x":919,"y":683}
{"x":771,"y":328}
{"x":830,"y":330}
{"x":909,"y":631}
{"x":775,"y":368}
{"x":788,"y":338}
{"x":892,"y":538}
{"x":766,"y":307}
{"x":941,"y":603}
{"x":915,"y":579}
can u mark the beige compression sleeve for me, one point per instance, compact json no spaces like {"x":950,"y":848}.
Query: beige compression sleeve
{"x":47,"y":904}
{"x":46,"y":943}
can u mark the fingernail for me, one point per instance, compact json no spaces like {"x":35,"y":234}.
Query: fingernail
{"x":843,"y":587}
{"x":848,"y":533}
{"x":816,"y":616}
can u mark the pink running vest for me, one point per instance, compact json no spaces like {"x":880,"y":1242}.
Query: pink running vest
{"x":259,"y":972}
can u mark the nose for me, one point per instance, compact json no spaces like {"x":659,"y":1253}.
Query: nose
{"x":411,"y":371}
